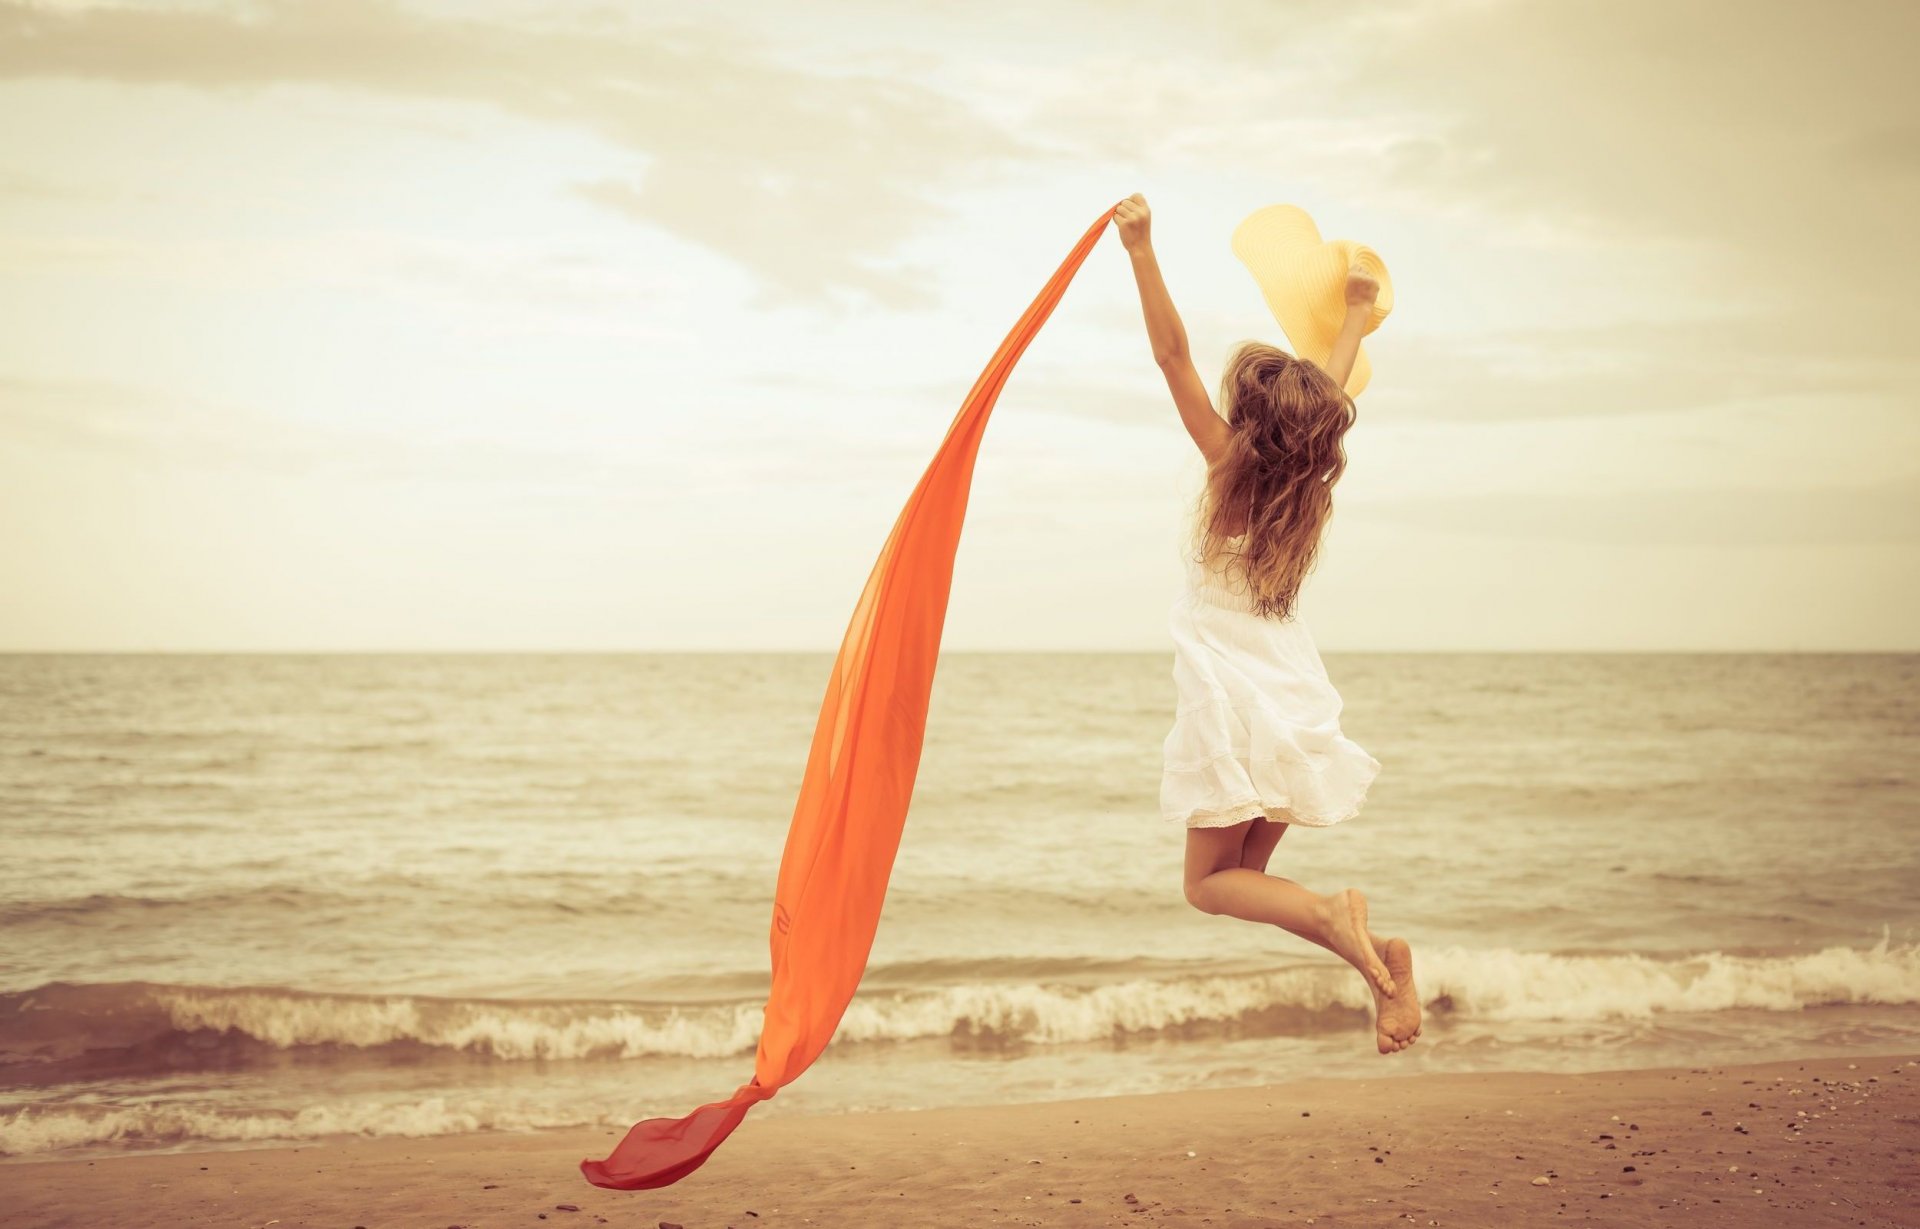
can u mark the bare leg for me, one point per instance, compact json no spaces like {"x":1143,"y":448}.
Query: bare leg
{"x":1396,"y":1018}
{"x":1263,"y":835}
{"x":1216,"y":882}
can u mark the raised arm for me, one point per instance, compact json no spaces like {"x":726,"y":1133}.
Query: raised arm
{"x":1166,"y":334}
{"x":1362,"y":289}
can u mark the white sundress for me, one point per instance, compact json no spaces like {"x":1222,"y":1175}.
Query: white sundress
{"x":1256,"y":727}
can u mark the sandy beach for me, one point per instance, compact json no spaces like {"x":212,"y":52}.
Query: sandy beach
{"x":1819,"y":1142}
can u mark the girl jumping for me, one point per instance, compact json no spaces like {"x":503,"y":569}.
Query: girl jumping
{"x":1256,"y":745}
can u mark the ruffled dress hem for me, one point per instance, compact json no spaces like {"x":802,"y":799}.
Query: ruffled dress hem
{"x":1240,"y":813}
{"x":1256,"y":729}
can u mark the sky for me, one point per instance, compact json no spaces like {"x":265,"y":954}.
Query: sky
{"x":359,"y":325}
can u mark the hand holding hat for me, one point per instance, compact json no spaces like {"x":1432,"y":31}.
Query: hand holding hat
{"x":1309,"y":282}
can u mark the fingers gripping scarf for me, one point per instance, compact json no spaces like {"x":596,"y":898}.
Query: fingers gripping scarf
{"x":859,"y":779}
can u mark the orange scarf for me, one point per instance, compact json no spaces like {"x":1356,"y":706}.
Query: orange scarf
{"x":859,"y":780}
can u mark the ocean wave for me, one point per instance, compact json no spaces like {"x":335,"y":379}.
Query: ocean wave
{"x":438,"y":898}
{"x":35,"y":1129}
{"x":1510,"y":985}
{"x":139,"y":1023}
{"x":120,"y":906}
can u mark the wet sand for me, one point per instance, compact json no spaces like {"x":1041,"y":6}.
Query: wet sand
{"x":1818,"y":1142}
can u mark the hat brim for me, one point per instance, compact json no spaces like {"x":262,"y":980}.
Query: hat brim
{"x":1303,"y":279}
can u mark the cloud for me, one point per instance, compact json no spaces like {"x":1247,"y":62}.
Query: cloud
{"x":105,"y":416}
{"x":156,"y":429}
{"x":1885,"y":512}
{"x":1748,"y":170}
{"x":1760,"y":130}
{"x":23,"y":186}
{"x":1624,"y":367}
{"x":700,"y":207}
{"x":807,"y":178}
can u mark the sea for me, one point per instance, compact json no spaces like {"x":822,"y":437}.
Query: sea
{"x":262,"y":900}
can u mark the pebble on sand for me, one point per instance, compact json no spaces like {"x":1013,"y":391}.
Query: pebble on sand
{"x":1542,"y":1180}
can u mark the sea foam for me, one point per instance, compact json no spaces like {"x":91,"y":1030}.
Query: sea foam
{"x":61,"y":1022}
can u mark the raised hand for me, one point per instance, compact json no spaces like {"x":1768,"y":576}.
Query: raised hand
{"x":1362,"y":287}
{"x":1133,"y":219}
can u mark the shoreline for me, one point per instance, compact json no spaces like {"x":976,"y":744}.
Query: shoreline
{"x":1822,"y":1141}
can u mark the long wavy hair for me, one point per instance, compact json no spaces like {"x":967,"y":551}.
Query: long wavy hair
{"x":1288,"y":420}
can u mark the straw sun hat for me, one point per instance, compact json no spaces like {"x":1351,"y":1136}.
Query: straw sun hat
{"x":1304,"y":279}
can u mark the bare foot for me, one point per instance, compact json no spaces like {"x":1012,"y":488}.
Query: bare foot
{"x":1345,"y":927}
{"x":1396,"y":1015}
